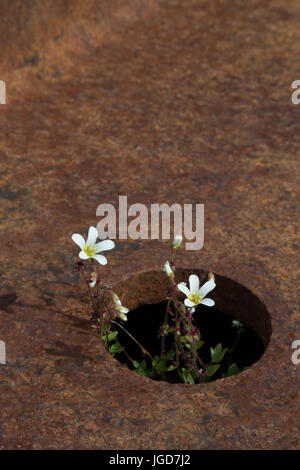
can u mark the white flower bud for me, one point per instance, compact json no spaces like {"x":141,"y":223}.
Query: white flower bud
{"x":116,"y":298}
{"x":120,"y":309}
{"x":177,"y":242}
{"x":93,"y":279}
{"x":237,"y":324}
{"x":122,"y":316}
{"x":168,"y":269}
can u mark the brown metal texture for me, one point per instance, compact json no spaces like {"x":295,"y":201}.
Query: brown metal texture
{"x":184,"y":101}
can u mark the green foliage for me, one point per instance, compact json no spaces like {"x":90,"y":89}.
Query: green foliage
{"x":212,"y":369}
{"x":115,"y":348}
{"x":141,"y":367}
{"x":199,"y":344}
{"x":187,"y":376}
{"x":233,"y":369}
{"x":182,"y":357}
{"x":112,"y":336}
{"x":217,"y":353}
{"x":172,"y":367}
{"x":160,"y":364}
{"x":185,"y":342}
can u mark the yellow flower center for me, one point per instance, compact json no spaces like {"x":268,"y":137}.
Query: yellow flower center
{"x":195,"y":297}
{"x":89,"y":250}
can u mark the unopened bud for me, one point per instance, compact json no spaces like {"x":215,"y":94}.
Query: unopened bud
{"x":116,"y":298}
{"x":168,"y":270}
{"x":93,"y":278}
{"x":122,"y":316}
{"x":177,"y":242}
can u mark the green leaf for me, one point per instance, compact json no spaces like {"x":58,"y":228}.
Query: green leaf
{"x":188,"y":379}
{"x":141,"y":372}
{"x":170,"y":354}
{"x":212,"y":369}
{"x":136,"y":364}
{"x":115,"y":348}
{"x":233,"y":370}
{"x":143,"y":364}
{"x":172,"y":367}
{"x":161,"y":366}
{"x":199,"y":344}
{"x":112,"y":335}
{"x":217,"y":354}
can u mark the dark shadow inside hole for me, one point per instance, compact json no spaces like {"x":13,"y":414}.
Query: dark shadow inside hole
{"x":215,"y":326}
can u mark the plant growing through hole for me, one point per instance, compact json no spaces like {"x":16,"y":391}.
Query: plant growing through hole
{"x":180,"y":339}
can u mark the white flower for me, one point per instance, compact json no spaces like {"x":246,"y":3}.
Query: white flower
{"x":168,"y":269}
{"x":93,"y":279}
{"x":121,"y":311}
{"x":89,"y":248}
{"x":177,"y":242}
{"x":196,"y":295}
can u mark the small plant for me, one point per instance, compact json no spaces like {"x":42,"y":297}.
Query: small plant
{"x":180,"y":339}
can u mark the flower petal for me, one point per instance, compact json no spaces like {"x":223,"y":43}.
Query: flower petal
{"x":101,"y":259}
{"x":104,"y":245}
{"x":194,"y":283}
{"x":83,"y":255}
{"x":122,"y":309}
{"x":207,"y":287}
{"x":78,"y":239}
{"x":188,"y":303}
{"x":92,"y":284}
{"x":208,"y":302}
{"x":92,"y":236}
{"x":183,"y":288}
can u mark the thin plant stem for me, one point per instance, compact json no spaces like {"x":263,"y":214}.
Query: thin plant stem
{"x":163,"y":338}
{"x":144,"y":351}
{"x":231,"y":350}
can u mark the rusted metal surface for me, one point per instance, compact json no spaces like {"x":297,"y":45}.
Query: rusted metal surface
{"x":170,"y":101}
